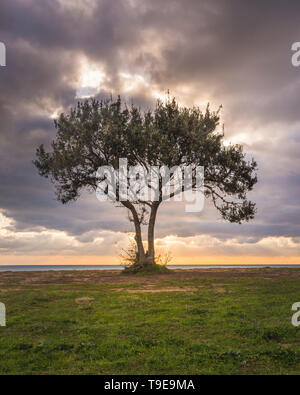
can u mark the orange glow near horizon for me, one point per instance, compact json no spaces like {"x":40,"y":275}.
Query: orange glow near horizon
{"x":180,"y":260}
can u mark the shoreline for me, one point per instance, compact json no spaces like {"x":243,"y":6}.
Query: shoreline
{"x":119,"y":268}
{"x":115,"y":277}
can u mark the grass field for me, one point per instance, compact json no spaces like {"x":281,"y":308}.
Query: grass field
{"x":187,"y":322}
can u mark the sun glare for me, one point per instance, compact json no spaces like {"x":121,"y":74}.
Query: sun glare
{"x":91,"y":77}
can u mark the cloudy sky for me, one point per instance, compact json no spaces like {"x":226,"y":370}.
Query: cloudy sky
{"x":235,"y":53}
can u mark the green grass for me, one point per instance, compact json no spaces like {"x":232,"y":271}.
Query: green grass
{"x":224,"y":326}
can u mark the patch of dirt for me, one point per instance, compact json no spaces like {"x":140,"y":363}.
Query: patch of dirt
{"x":10,"y":289}
{"x":287,"y":345}
{"x":219,"y":288}
{"x":84,"y":299}
{"x":155,"y":290}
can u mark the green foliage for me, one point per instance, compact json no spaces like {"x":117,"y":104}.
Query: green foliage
{"x":98,"y":133}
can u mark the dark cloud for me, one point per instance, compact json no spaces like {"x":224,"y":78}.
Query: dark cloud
{"x":235,"y":53}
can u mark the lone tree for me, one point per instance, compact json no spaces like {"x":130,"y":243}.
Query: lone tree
{"x":99,"y":133}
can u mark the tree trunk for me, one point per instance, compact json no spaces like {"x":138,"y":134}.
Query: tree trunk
{"x":149,"y":257}
{"x":151,"y":249}
{"x":139,"y":241}
{"x":138,"y":234}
